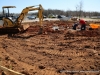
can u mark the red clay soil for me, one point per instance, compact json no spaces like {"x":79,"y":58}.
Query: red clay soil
{"x":53,"y":52}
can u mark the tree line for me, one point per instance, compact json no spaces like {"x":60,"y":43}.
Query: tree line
{"x":70,"y":13}
{"x":76,"y":13}
{"x":66,"y":13}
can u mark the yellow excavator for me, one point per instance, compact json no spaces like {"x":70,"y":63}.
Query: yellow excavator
{"x":10,"y":27}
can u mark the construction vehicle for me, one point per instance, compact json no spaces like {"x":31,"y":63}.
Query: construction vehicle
{"x":10,"y":27}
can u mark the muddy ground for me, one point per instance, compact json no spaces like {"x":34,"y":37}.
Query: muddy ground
{"x":59,"y":52}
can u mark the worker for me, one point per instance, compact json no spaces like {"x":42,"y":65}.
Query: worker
{"x":75,"y":25}
{"x":83,"y":24}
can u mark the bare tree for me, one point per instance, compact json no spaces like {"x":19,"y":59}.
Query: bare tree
{"x":79,"y":9}
{"x":78,"y":12}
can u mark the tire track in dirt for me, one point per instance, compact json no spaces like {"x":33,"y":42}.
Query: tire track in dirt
{"x":66,"y":53}
{"x":32,"y":69}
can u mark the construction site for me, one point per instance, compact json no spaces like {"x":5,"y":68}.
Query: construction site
{"x":48,"y":47}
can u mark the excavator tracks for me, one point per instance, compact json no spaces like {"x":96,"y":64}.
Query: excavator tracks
{"x":9,"y":30}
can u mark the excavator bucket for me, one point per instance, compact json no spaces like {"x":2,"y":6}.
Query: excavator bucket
{"x":24,"y":27}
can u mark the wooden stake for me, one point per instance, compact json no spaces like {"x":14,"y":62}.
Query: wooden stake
{"x":11,"y":72}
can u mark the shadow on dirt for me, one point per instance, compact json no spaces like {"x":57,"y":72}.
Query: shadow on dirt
{"x":23,"y":37}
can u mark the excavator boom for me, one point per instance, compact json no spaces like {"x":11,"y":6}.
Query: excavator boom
{"x":30,"y":8}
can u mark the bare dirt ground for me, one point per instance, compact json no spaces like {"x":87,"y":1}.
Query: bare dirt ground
{"x":59,"y":52}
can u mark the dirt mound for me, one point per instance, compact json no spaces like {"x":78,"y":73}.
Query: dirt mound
{"x":48,"y":29}
{"x":89,"y":33}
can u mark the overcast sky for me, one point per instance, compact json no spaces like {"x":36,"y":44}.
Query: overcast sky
{"x":88,"y":5}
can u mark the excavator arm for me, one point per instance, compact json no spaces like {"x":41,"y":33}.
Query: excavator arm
{"x":25,"y":12}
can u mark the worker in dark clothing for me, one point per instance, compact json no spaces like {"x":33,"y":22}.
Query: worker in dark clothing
{"x":75,"y":25}
{"x":83,"y":24}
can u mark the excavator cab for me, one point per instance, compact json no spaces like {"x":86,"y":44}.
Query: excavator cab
{"x":7,"y":15}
